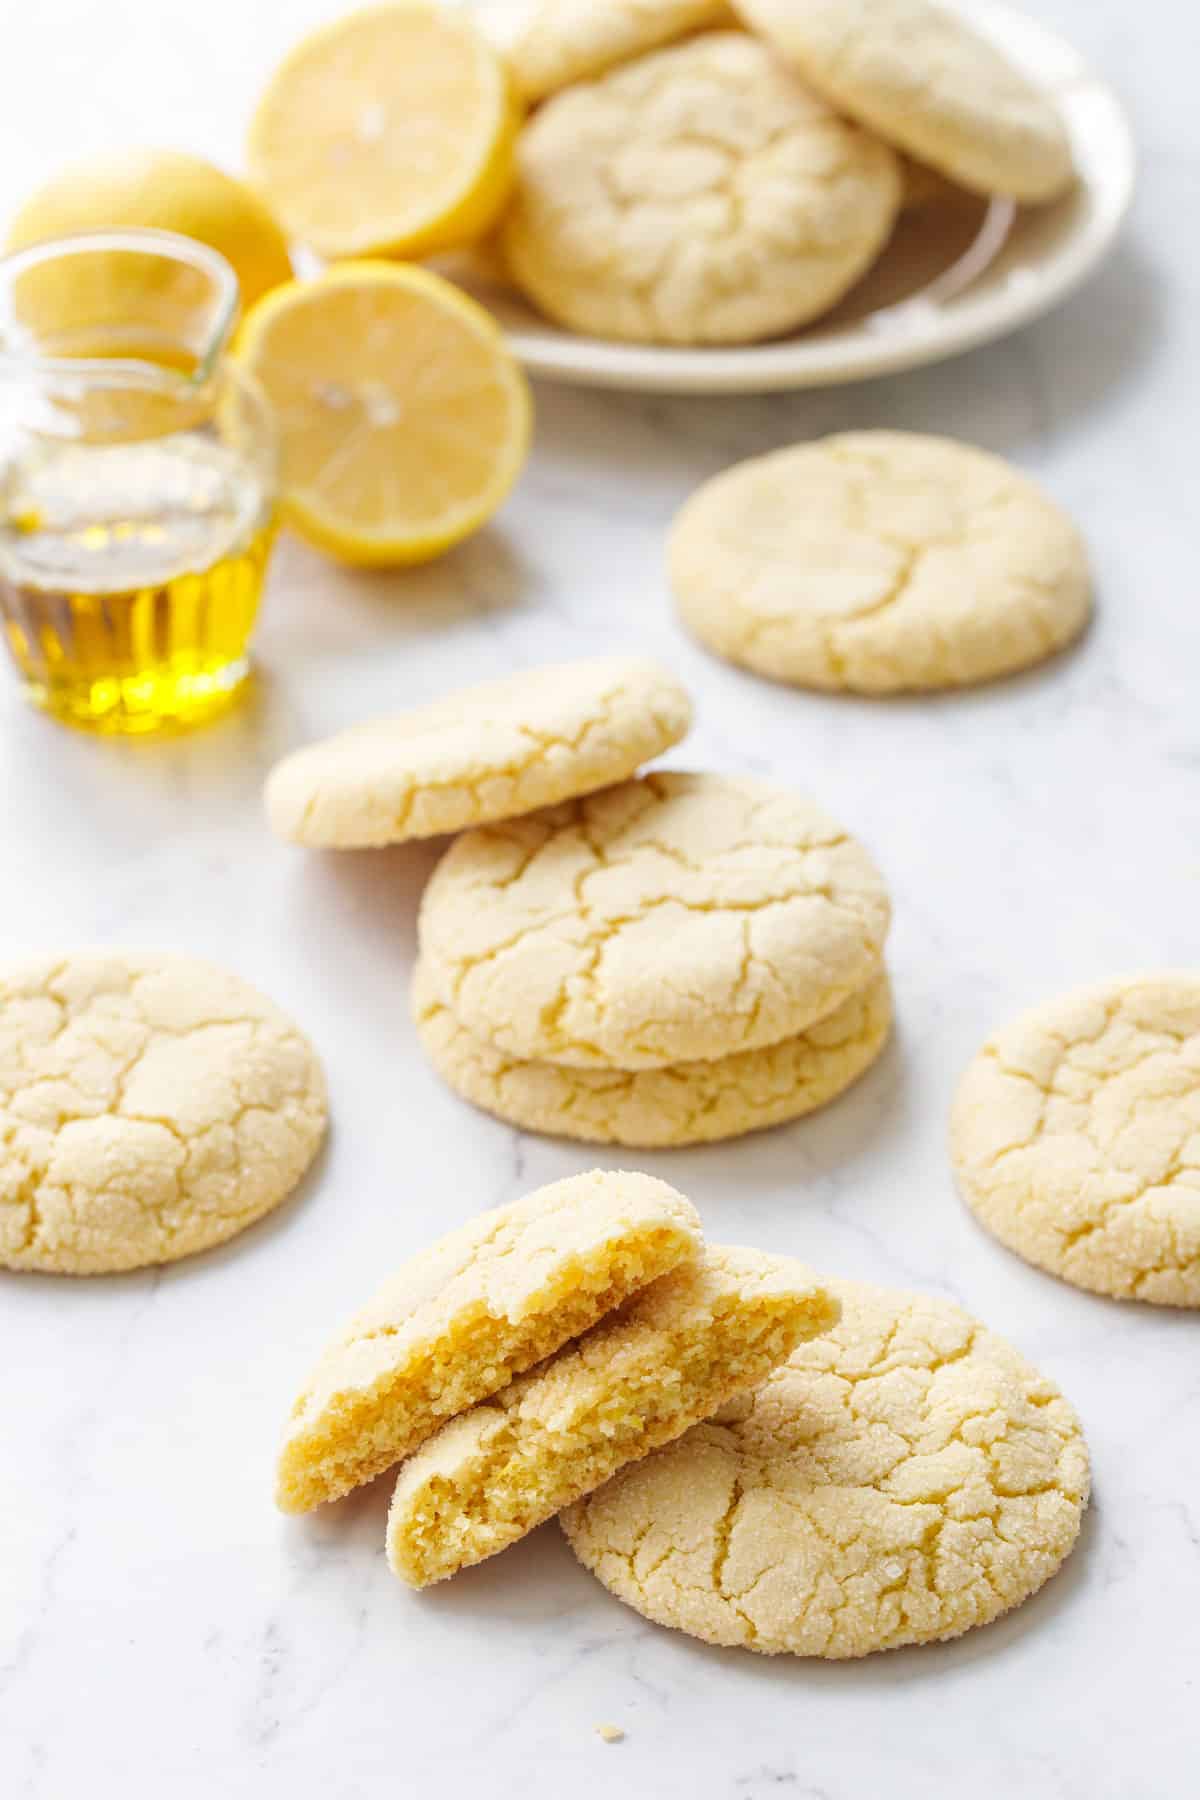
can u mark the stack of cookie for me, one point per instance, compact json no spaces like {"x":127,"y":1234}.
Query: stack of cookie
{"x":692,"y":174}
{"x":681,"y":958}
{"x":646,"y":960}
{"x":520,"y":1362}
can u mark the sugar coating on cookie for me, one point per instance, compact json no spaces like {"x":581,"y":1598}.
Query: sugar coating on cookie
{"x":150,"y":1107}
{"x":699,"y":195}
{"x":487,"y":752}
{"x":549,"y":44}
{"x":686,"y":1103}
{"x":918,"y":74}
{"x":878,"y":561}
{"x":1075,"y":1135}
{"x":460,"y":1320}
{"x":670,"y":1357}
{"x":901,"y":1479}
{"x":675,"y":918}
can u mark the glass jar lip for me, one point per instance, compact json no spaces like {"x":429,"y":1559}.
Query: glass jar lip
{"x":171,"y":246}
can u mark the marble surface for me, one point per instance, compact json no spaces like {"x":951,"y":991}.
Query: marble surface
{"x":162,"y":1628}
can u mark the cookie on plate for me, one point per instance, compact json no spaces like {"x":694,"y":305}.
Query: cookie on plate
{"x":487,"y":752}
{"x":1075,"y":1136}
{"x":899,"y":1480}
{"x":878,"y":562}
{"x":685,"y":1103}
{"x":701,"y":195}
{"x":549,"y":44}
{"x":670,"y":1357}
{"x":922,"y":77}
{"x":458,"y":1321}
{"x":675,"y":918}
{"x":150,"y":1107}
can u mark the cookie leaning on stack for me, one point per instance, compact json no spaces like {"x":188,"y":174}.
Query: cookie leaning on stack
{"x":488,"y":752}
{"x":680,"y":958}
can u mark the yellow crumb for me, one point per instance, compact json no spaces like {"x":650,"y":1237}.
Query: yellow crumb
{"x":480,"y":1306}
{"x":672,"y":1356}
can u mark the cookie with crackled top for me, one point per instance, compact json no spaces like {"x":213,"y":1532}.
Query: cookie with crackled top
{"x":919,"y":74}
{"x":550,"y":44}
{"x":674,"y":918}
{"x":150,"y":1107}
{"x":487,"y":752}
{"x":900,"y":1479}
{"x":700,"y":195}
{"x":878,"y":562}
{"x":684,"y":1103}
{"x":1075,"y":1135}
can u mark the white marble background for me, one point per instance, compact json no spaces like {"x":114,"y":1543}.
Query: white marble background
{"x":162,"y":1629}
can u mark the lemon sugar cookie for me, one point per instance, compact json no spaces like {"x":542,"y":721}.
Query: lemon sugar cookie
{"x":918,"y":74}
{"x":461,"y":1319}
{"x":150,"y":1107}
{"x":1075,"y":1135}
{"x":878,"y":561}
{"x":550,"y":44}
{"x":698,"y":195}
{"x":686,"y":1103}
{"x":490,"y":751}
{"x":901,"y":1479}
{"x":674,"y":918}
{"x":670,"y":1357}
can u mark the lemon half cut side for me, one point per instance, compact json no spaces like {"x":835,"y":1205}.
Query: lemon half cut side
{"x":389,"y":132}
{"x":404,"y":419}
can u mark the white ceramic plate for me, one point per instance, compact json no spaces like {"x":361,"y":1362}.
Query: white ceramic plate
{"x":923,"y":301}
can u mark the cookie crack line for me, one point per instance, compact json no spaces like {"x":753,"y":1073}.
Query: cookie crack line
{"x":878,"y":562}
{"x":1092,"y":1171}
{"x":486,"y":753}
{"x":110,"y":1176}
{"x":795,"y":1525}
{"x":678,"y":1104}
{"x":735,"y":273}
{"x":764,"y":911}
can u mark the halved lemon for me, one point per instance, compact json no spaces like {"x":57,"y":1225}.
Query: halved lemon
{"x":404,"y":419}
{"x":389,"y":132}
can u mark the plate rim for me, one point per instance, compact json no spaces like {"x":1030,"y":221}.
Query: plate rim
{"x":550,"y":353}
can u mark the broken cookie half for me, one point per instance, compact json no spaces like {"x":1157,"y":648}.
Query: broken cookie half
{"x":670,"y":1357}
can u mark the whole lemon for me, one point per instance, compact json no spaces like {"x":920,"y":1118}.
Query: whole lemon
{"x":167,"y":191}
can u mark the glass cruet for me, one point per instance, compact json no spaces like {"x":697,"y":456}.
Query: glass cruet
{"x":138,"y":481}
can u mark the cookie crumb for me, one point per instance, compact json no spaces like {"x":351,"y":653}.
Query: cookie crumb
{"x":612,"y":1734}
